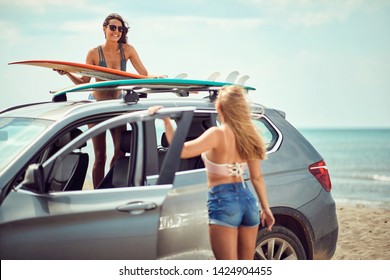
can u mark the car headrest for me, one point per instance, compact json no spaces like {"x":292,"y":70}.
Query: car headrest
{"x":164,"y":141}
{"x":69,"y":136}
{"x":126,"y":141}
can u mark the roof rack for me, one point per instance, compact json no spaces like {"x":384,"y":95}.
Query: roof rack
{"x":21,"y":106}
{"x":135,"y":88}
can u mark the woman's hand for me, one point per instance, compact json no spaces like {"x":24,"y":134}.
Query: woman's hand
{"x":153,"y":110}
{"x":153,"y":76}
{"x":61,"y":72}
{"x":267,"y":218}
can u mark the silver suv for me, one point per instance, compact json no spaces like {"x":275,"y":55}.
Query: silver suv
{"x":151,"y":204}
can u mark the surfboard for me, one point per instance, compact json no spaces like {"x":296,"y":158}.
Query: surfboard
{"x":149,"y":86}
{"x":89,"y":70}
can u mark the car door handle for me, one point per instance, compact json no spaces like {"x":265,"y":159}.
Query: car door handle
{"x":137,"y":207}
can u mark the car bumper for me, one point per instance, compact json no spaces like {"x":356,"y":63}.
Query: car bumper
{"x":324,"y":221}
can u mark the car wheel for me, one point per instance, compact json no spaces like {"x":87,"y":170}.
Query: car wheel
{"x":278,"y":244}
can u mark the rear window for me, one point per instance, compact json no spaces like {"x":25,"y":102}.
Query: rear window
{"x":269,"y":133}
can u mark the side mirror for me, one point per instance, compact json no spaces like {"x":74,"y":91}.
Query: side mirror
{"x":34,"y":178}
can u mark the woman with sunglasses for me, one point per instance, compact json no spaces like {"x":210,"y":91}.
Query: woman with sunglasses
{"x":113,"y":53}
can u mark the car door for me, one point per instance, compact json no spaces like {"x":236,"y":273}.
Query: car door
{"x":114,"y":223}
{"x":102,"y":224}
{"x":183,"y":230}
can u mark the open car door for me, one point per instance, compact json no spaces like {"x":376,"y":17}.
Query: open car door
{"x":110,"y":223}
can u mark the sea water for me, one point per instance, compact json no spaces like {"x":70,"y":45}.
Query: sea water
{"x":358,"y":161}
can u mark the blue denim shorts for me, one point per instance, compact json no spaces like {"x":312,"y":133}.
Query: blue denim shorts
{"x":233,"y":205}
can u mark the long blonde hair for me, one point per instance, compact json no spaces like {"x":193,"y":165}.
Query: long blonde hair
{"x":236,"y":113}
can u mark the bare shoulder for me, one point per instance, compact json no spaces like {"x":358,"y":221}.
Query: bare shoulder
{"x":127,"y":47}
{"x":93,"y":56}
{"x":210,"y":135}
{"x":129,"y":50}
{"x":93,"y":50}
{"x":214,"y":133}
{"x":215,"y":130}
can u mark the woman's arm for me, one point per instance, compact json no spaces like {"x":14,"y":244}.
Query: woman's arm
{"x":136,"y":60}
{"x":257,"y":179}
{"x":169,"y":130}
{"x":207,"y":141}
{"x":79,"y":79}
{"x":76,"y":79}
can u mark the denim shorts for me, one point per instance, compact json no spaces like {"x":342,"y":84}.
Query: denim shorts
{"x":233,"y":205}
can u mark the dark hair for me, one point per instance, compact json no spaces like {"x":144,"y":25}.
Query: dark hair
{"x":123,"y":39}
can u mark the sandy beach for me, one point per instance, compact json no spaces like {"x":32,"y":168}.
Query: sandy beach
{"x":364,"y":233}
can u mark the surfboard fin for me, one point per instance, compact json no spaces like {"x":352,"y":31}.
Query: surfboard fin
{"x":214,"y":76}
{"x":241,"y":81}
{"x":181,"y":76}
{"x":231,"y":78}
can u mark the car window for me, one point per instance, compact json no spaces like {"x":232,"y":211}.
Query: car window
{"x":16,"y":134}
{"x":111,"y":165}
{"x":83,"y":155}
{"x":200,"y":123}
{"x":75,"y":170}
{"x":160,"y":130}
{"x":267,"y":131}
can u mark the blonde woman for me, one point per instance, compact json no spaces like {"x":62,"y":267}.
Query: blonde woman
{"x":226,"y":151}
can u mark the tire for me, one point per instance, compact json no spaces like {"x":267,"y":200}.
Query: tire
{"x":278,"y":244}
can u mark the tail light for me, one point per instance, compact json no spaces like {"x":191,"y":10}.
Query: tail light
{"x":320,"y":171}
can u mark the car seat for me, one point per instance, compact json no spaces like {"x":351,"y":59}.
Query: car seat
{"x":162,"y":150}
{"x":119,"y":173}
{"x":185,"y":164}
{"x":71,"y":171}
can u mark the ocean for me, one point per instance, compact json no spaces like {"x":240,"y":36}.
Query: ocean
{"x":358,"y":161}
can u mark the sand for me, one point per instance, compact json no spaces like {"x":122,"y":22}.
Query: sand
{"x":364,"y":233}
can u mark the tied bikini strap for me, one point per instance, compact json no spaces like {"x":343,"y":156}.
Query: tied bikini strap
{"x":123,"y":58}
{"x":102,"y":60}
{"x":235,"y":169}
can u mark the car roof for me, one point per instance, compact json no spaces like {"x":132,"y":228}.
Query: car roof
{"x":59,"y":110}
{"x":165,"y":92}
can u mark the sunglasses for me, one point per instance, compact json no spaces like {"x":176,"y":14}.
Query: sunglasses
{"x":114,"y":27}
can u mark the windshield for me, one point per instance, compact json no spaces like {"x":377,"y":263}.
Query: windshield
{"x":16,"y":134}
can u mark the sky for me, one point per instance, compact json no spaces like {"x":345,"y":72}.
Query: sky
{"x":326,"y":63}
